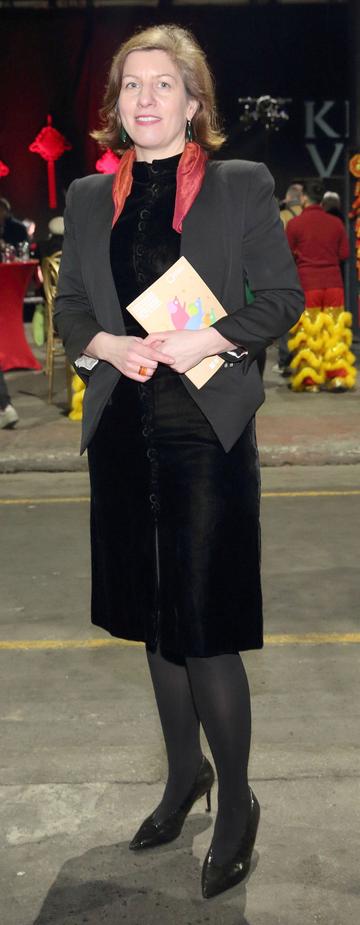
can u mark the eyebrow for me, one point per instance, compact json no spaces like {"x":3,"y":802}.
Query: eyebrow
{"x":155,"y":75}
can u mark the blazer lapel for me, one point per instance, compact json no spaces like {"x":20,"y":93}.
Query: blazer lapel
{"x":203,"y":239}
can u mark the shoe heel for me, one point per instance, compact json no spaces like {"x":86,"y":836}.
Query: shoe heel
{"x":208,"y":801}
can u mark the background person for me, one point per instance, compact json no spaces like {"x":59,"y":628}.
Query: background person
{"x":8,"y":416}
{"x":291,"y":205}
{"x":54,"y":241}
{"x":323,"y":336}
{"x":331,"y":202}
{"x":11,"y":230}
{"x":289,"y":208}
{"x":174,"y":469}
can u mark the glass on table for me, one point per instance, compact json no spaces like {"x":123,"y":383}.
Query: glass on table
{"x":8,"y":253}
{"x":23,"y":250}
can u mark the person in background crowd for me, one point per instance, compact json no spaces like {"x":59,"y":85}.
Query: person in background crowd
{"x":331,"y":202}
{"x":322,"y":337}
{"x":11,"y":230}
{"x":174,"y":469}
{"x":289,"y":208}
{"x":54,"y":242}
{"x":291,"y":205}
{"x":8,"y":415}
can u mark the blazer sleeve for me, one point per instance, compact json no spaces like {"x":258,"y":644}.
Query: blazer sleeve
{"x":74,"y":316}
{"x":270,"y":271}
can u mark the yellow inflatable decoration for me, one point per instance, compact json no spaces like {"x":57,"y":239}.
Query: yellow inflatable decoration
{"x":321,"y":341}
{"x":78,"y":389}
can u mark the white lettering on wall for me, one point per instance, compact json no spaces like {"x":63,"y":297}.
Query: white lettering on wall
{"x":316,"y":119}
{"x":326,"y":120}
{"x":325,"y":170}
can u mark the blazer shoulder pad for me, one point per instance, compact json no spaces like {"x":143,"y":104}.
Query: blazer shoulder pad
{"x":235,"y":168}
{"x":89,"y":187}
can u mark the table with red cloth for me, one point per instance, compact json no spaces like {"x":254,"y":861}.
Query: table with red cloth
{"x":15,"y":352}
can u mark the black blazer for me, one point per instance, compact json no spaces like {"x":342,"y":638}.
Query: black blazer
{"x":232,"y":230}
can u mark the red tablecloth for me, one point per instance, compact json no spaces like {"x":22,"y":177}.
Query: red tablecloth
{"x":15,"y":352}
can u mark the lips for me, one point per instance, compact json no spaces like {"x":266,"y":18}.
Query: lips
{"x":146,"y":120}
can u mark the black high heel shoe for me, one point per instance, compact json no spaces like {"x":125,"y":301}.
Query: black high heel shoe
{"x":151,"y":834}
{"x":217,"y":878}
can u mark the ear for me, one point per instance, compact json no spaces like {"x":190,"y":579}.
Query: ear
{"x":192,"y":107}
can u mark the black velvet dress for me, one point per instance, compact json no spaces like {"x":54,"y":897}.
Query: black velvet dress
{"x":174,"y":518}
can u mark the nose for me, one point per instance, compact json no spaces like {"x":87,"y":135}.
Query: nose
{"x":146,"y":94}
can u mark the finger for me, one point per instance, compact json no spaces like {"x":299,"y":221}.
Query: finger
{"x":137,"y":378}
{"x":157,"y":335}
{"x":151,"y":354}
{"x":136,"y":359}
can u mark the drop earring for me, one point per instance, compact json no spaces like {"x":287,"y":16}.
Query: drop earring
{"x":123,"y":135}
{"x":189,"y":131}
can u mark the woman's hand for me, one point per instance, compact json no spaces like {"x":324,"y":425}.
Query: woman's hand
{"x":128,"y":354}
{"x":188,"y":347}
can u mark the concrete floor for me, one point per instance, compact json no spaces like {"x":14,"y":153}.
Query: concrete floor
{"x":82,"y":759}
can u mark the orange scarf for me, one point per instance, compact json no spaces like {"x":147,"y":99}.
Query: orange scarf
{"x":189,"y":178}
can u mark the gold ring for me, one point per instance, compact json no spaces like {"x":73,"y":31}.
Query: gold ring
{"x":142,"y":371}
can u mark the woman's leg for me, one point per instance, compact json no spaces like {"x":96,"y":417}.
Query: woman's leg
{"x":181,"y":729}
{"x":222,"y":698}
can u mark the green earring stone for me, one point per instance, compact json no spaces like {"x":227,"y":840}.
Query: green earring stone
{"x":189,"y":131}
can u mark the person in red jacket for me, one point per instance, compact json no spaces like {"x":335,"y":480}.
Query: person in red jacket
{"x":321,"y":339}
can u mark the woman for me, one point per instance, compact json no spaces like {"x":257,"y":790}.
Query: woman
{"x":174,"y":469}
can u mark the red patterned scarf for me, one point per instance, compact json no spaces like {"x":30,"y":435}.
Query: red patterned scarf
{"x":189,"y":178}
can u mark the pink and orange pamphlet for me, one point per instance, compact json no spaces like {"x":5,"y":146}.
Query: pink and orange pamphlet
{"x":181,"y":300}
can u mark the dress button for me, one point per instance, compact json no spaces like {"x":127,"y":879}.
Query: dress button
{"x":140,"y":249}
{"x":145,"y":213}
{"x":155,"y":188}
{"x":142,"y":226}
{"x":140,"y":278}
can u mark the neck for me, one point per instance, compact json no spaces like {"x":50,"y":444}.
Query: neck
{"x":143,"y":154}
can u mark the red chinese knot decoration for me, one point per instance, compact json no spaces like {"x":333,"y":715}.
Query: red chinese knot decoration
{"x":50,"y":144}
{"x":108,"y":163}
{"x":4,"y":170}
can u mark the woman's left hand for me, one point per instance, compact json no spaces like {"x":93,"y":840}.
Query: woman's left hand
{"x":188,"y":347}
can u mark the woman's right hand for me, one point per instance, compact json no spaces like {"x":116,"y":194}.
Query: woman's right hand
{"x":127,"y":354}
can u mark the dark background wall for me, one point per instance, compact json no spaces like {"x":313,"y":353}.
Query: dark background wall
{"x":56,"y":61}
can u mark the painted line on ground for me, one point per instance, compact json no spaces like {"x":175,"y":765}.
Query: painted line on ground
{"x":324,"y":493}
{"x":80,"y":500}
{"x":272,"y":639}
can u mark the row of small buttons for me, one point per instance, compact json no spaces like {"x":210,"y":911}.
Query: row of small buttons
{"x":147,"y":431}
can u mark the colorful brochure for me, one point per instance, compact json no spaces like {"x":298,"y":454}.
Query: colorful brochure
{"x":181,"y":300}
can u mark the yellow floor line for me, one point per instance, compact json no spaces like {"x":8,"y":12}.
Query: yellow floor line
{"x":272,"y":639}
{"x":310,"y":494}
{"x":80,"y":500}
{"x":265,"y":494}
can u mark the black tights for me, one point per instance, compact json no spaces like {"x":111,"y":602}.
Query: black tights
{"x":215,"y":692}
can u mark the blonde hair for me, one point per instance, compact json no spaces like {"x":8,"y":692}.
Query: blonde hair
{"x":186,"y":54}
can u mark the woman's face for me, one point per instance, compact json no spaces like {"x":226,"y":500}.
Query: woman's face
{"x":153,"y":104}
